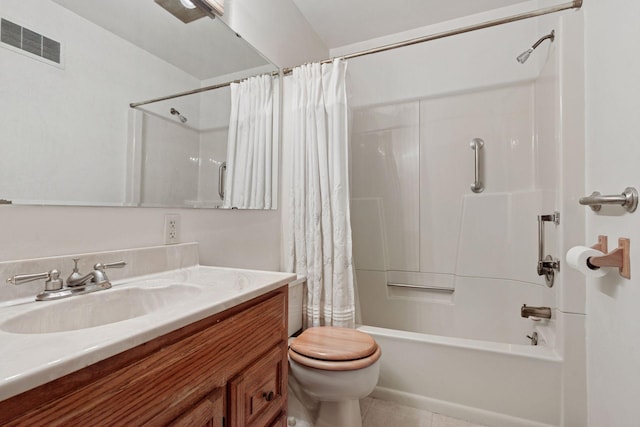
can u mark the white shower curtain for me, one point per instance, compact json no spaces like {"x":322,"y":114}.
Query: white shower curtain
{"x":319,"y":240}
{"x":250,"y":145}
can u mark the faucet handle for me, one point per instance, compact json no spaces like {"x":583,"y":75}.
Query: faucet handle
{"x":99,"y":274}
{"x":52,"y":279}
{"x":101,"y":267}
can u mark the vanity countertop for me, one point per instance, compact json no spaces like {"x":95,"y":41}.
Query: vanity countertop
{"x":33,"y":359}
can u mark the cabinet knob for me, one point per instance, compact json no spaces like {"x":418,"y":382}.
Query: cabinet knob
{"x":268,"y":396}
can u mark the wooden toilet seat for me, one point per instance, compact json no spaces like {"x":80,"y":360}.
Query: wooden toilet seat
{"x":334,"y":349}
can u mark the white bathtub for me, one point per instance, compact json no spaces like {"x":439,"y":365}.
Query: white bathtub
{"x":489,"y":383}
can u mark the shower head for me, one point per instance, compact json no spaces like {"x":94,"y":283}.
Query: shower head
{"x":175,"y":112}
{"x":522,"y":58}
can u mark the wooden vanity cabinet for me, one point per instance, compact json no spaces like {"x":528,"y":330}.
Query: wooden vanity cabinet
{"x":281,"y":421}
{"x":229,"y":369}
{"x":209,"y":412}
{"x":258,"y":393}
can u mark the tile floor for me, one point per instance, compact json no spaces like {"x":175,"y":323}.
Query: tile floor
{"x":380,"y":413}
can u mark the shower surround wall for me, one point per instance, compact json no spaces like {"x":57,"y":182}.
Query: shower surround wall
{"x":169,"y":162}
{"x":177,"y":164}
{"x":417,"y":222}
{"x":406,"y":102}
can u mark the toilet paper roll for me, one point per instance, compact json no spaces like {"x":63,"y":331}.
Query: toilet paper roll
{"x":577,"y":258}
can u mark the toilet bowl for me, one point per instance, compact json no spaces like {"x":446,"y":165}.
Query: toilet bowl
{"x":335,"y":367}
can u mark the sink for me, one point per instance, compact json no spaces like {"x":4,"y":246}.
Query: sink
{"x":100,"y":308}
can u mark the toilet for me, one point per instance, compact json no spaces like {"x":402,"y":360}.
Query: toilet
{"x":334,"y":367}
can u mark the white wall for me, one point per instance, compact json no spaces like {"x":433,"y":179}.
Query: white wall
{"x":613,"y":150}
{"x":473,"y":60}
{"x":248,"y":239}
{"x":277,"y":29}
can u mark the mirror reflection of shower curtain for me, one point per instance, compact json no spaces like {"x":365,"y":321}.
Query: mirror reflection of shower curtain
{"x":250,"y":145}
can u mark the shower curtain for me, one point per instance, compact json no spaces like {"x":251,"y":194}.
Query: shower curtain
{"x":319,"y":240}
{"x":250,"y":144}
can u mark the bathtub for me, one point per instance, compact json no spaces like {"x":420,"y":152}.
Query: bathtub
{"x":490,"y":383}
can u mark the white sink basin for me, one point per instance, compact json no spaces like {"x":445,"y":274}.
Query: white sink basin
{"x":99,"y":308}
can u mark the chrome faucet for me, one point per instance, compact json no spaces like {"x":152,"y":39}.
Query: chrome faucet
{"x":97,"y":277}
{"x":541,"y":312}
{"x":77,"y":284}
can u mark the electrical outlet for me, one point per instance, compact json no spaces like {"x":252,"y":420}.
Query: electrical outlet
{"x":171,"y":227}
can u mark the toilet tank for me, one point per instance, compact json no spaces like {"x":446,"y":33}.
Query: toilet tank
{"x":296,"y":291}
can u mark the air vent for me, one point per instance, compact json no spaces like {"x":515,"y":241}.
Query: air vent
{"x":29,"y":41}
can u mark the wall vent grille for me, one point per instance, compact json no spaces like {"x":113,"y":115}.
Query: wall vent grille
{"x":29,"y":41}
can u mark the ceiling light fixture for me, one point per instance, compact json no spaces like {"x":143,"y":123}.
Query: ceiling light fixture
{"x":212,"y":6}
{"x":185,"y":10}
{"x":188,"y":4}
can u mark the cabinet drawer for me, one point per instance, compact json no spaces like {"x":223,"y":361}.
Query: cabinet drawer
{"x":259,"y":393}
{"x":209,"y":412}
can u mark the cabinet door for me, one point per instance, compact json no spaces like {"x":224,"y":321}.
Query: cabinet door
{"x":209,"y":412}
{"x":259,"y":393}
{"x":281,"y":421}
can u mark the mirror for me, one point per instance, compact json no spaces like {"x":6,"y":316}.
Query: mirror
{"x":70,"y":70}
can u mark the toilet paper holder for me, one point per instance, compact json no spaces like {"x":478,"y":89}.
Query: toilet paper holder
{"x":619,"y":257}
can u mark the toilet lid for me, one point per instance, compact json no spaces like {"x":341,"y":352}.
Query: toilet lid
{"x":333,"y":343}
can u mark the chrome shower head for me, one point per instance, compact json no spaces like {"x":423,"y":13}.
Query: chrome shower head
{"x":175,"y":112}
{"x":522,"y":58}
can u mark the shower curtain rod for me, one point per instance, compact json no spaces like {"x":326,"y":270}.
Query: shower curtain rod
{"x":575,"y":4}
{"x":191,"y":92}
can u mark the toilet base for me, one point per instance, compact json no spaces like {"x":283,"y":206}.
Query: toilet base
{"x":345,"y":413}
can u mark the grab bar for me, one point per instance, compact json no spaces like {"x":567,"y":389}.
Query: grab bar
{"x":476,"y":144}
{"x":547,"y":266}
{"x":628,"y":200}
{"x":424,"y":288}
{"x":222,"y":169}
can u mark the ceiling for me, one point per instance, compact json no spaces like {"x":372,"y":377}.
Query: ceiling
{"x":204,"y":48}
{"x":344,"y":22}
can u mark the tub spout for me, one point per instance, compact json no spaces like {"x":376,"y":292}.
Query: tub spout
{"x":540,"y":312}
